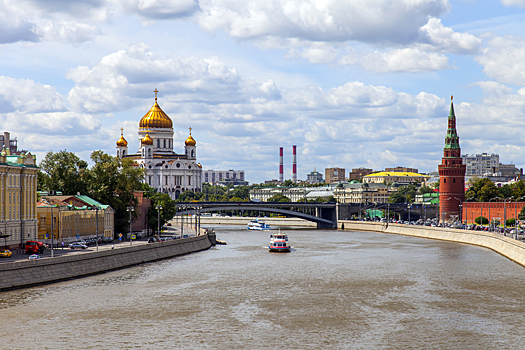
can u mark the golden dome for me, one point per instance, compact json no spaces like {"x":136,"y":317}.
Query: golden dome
{"x":190,"y":141}
{"x":155,"y":118}
{"x":146,"y":140}
{"x":122,"y":141}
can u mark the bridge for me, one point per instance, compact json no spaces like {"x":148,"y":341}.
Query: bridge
{"x":325,"y":215}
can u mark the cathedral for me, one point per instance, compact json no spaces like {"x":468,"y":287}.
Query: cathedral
{"x":166,"y":171}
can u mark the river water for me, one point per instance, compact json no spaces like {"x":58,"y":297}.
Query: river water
{"x":335,"y":290}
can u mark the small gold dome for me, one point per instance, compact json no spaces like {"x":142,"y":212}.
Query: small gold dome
{"x":146,"y":140}
{"x":122,"y":141}
{"x":156,"y":118}
{"x":190,"y":141}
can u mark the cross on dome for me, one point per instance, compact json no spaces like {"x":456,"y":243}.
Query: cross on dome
{"x":155,"y":91}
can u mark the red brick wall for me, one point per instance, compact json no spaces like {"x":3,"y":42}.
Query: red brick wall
{"x":472,"y":210}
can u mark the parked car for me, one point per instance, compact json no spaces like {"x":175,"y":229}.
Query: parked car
{"x":34,"y":257}
{"x":6,"y":253}
{"x":152,"y":240}
{"x":77,"y":246}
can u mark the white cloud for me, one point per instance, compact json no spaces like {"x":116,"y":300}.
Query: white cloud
{"x":504,"y":60}
{"x":411,"y":60}
{"x":26,"y":96}
{"x":160,"y":9}
{"x":370,"y":21}
{"x":444,"y":39}
{"x":517,"y":3}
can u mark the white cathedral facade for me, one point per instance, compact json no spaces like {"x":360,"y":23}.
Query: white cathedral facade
{"x":166,"y":171}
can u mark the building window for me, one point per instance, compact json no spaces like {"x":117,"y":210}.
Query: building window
{"x":158,"y":143}
{"x":164,"y":143}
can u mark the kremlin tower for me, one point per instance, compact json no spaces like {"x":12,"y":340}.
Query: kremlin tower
{"x":451,"y":174}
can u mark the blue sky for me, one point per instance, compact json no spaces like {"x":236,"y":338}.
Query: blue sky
{"x":351,"y":83}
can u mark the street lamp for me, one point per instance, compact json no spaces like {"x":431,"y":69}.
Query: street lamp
{"x":461,"y":214}
{"x":159,"y":208}
{"x":516,"y":214}
{"x":96,"y":222}
{"x":490,"y":220}
{"x":505,"y":214}
{"x":130,"y":209}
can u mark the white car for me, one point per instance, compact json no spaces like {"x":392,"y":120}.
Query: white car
{"x":77,"y":246}
{"x":34,"y":257}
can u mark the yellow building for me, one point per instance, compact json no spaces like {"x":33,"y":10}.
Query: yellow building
{"x":62,"y":216}
{"x":401,"y":178}
{"x":18,"y":185}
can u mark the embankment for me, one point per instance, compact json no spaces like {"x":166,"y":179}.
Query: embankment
{"x":27,"y":273}
{"x":508,"y":247}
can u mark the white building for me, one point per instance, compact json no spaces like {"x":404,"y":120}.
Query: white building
{"x":166,"y":171}
{"x":215,"y":176}
{"x":480,"y":164}
{"x":296,"y":194}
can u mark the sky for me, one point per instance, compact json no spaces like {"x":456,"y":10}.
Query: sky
{"x":355,"y":83}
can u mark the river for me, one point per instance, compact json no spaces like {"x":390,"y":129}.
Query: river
{"x":335,"y":290}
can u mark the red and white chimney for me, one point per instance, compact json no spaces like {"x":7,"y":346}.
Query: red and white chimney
{"x":294,"y":164}
{"x":281,"y":165}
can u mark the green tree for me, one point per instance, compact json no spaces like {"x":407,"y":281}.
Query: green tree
{"x":65,"y":172}
{"x":113,"y":182}
{"x":167,"y":212}
{"x":425,"y":189}
{"x":404,"y":194}
{"x":482,"y":190}
{"x":510,"y":222}
{"x":279,"y":197}
{"x":521,"y":215}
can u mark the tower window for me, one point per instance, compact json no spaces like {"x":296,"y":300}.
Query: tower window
{"x":164,"y":143}
{"x":158,"y":143}
{"x":444,"y":181}
{"x":453,"y":180}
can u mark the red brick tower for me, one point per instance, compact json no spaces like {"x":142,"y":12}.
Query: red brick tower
{"x":451,"y":174}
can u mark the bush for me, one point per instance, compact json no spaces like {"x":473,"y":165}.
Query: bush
{"x":510,"y":222}
{"x":481,"y":220}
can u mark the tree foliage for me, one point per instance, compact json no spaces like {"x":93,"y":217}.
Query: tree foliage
{"x":404,"y":194}
{"x":279,"y":197}
{"x":110,"y":180}
{"x":63,"y":171}
{"x":483,"y":190}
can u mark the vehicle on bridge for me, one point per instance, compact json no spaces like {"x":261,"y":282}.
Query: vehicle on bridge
{"x":279,"y":243}
{"x":257,"y":225}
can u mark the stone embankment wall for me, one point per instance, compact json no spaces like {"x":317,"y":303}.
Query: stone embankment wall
{"x":226,"y":220}
{"x":508,"y":247}
{"x":26,"y":273}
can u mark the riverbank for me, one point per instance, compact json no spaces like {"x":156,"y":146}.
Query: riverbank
{"x":508,"y":247}
{"x":47,"y":270}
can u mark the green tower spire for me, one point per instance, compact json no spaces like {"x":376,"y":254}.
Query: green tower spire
{"x":452,"y":138}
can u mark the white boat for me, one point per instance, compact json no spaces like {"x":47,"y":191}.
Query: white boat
{"x":257,"y":225}
{"x":279,"y":243}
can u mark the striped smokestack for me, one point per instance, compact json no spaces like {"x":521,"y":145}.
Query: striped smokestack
{"x":281,"y":165}
{"x":294,"y":164}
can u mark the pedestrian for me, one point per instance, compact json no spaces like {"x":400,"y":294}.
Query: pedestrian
{"x":62,"y":245}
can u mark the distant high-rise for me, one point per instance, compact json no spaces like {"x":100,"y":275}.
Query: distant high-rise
{"x":451,"y":174}
{"x":334,"y":175}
